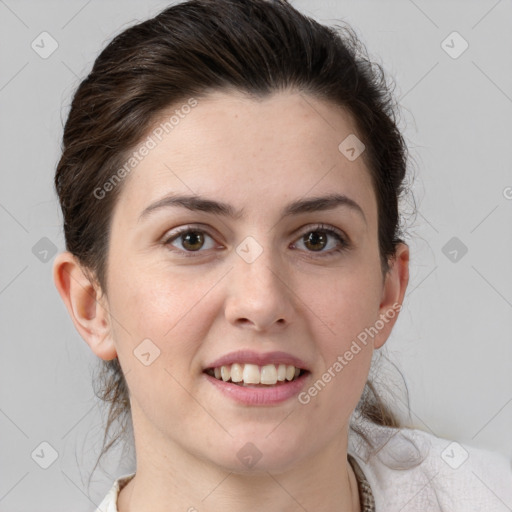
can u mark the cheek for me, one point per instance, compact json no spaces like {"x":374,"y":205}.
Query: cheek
{"x":346,"y":302}
{"x":161,"y":305}
{"x":147,"y":300}
{"x":348,"y":307}
{"x":159,"y":325}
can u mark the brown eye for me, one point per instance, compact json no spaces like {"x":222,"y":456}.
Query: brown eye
{"x":192,"y":241}
{"x":319,"y":238}
{"x":315,"y":240}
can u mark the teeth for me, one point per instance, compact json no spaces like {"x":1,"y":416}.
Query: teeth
{"x":225,"y":372}
{"x":281,"y":372}
{"x":269,"y":374}
{"x":236,"y":373}
{"x":251,"y":374}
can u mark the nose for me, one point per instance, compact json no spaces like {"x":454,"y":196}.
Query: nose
{"x":260,"y":295}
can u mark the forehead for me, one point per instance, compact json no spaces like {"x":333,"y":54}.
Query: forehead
{"x":250,"y":153}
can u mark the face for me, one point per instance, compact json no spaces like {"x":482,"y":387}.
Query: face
{"x":188,"y":286}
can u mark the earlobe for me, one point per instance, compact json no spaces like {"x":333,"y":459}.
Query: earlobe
{"x":86,"y":305}
{"x":393,"y":292}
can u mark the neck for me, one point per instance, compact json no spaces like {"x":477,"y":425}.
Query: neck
{"x":171,"y":479}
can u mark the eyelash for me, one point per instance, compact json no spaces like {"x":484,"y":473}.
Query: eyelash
{"x":343,"y":243}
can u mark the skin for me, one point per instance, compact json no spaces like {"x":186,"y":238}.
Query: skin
{"x":258,"y":155}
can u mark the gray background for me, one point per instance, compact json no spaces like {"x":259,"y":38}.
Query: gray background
{"x":453,"y":339}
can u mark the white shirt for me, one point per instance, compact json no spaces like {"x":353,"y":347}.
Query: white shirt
{"x":414,"y":471}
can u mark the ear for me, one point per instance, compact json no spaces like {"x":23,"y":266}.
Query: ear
{"x":86,"y":304}
{"x":393,"y":292}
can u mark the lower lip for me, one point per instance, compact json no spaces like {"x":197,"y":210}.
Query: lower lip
{"x":259,"y":395}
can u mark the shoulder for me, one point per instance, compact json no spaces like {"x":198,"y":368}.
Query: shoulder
{"x":412,"y":470}
{"x":109,"y":502}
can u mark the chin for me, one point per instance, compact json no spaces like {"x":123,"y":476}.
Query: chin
{"x":254,"y":451}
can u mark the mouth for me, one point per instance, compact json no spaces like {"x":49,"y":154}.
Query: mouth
{"x":253,"y":375}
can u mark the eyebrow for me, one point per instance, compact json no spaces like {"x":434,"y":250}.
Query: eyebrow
{"x":198,"y":203}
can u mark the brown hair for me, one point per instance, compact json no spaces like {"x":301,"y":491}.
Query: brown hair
{"x":257,"y":47}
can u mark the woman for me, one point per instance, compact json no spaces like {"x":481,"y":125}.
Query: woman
{"x":229,"y":182}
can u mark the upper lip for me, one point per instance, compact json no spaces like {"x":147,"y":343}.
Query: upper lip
{"x":260,"y":359}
